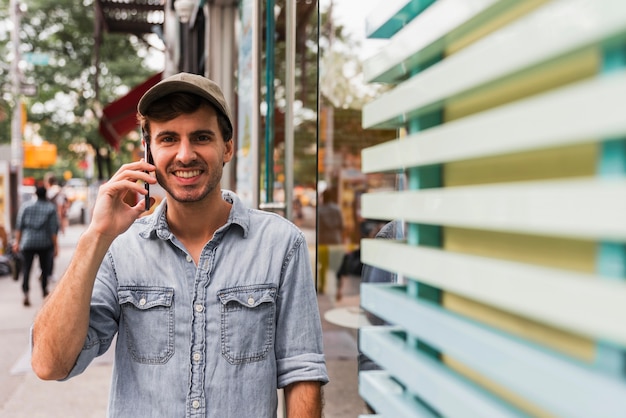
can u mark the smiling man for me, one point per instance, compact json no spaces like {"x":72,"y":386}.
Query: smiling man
{"x":213,"y":303}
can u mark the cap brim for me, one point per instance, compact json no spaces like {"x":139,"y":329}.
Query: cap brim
{"x":161,"y":90}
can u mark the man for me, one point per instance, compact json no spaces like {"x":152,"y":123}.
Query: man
{"x":57,"y":196}
{"x":4,"y":240}
{"x":36,"y":229}
{"x":6,"y":264}
{"x":330,"y":232}
{"x":213,"y":304}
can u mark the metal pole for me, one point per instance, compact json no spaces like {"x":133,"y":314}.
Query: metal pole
{"x":290,"y":75}
{"x":16,"y":122}
{"x":329,"y":157}
{"x":269,"y":84}
{"x":15,"y":175}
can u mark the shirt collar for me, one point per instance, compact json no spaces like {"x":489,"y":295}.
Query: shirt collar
{"x":156,"y":224}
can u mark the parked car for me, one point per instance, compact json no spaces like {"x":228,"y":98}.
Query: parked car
{"x":77,"y":212}
{"x":76,"y":189}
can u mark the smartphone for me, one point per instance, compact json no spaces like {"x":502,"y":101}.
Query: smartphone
{"x":147,"y":156}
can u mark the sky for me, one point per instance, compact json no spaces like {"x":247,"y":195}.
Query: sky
{"x":352,"y":15}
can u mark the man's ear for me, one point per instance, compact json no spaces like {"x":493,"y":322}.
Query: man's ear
{"x":230,"y":150}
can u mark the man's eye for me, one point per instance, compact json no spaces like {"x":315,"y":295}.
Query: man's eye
{"x":167,"y":139}
{"x":203,"y":138}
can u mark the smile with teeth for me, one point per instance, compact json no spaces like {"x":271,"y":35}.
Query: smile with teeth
{"x":187,"y":174}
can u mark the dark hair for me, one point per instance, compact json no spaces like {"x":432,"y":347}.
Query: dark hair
{"x":50,"y":179}
{"x":41,"y":192}
{"x":176,"y":104}
{"x":329,"y":195}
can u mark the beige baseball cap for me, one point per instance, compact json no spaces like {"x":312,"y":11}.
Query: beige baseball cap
{"x":187,"y":83}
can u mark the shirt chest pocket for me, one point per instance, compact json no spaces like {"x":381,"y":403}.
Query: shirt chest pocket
{"x":147,"y":322}
{"x":247,"y":322}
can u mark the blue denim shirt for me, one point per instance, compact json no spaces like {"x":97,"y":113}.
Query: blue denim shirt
{"x":212,"y":340}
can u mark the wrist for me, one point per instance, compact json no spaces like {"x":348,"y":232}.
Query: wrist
{"x":96,"y":236}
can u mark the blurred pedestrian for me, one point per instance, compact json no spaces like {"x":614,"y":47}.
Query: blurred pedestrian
{"x":4,"y":240}
{"x":330,"y":231}
{"x":5,"y":251}
{"x":36,"y":230}
{"x":351,"y":265}
{"x":298,"y":213}
{"x":57,"y":196}
{"x":213,"y":303}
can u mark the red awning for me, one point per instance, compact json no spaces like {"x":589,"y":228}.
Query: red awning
{"x":120,"y":117}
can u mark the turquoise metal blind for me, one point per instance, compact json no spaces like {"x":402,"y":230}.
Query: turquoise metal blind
{"x":514,"y":145}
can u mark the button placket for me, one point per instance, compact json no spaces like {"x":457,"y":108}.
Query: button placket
{"x":198,"y":361}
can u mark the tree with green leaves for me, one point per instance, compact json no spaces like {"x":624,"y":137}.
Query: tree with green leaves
{"x":64,"y":111}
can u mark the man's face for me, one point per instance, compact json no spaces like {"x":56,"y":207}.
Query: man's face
{"x":189,"y":153}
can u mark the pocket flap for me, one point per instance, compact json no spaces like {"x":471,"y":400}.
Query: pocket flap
{"x":146,"y":297}
{"x":249,"y":296}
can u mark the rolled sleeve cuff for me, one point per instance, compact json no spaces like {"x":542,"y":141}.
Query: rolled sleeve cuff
{"x":302,"y":368}
{"x":90,"y":351}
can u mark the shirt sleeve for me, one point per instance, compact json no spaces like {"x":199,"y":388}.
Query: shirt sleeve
{"x":299,"y":345}
{"x":54,"y":222}
{"x":20,"y":219}
{"x":103,"y":318}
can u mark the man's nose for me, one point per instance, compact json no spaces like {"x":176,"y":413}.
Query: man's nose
{"x":186,"y":151}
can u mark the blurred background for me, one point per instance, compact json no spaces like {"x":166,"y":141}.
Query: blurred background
{"x":458,"y":168}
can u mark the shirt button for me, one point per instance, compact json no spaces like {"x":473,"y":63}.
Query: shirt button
{"x":199,"y":308}
{"x":195,"y":404}
{"x":142,"y":302}
{"x":197,"y":356}
{"x":250,"y":301}
{"x":189,"y":258}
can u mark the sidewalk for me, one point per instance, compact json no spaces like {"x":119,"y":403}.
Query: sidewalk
{"x":23,"y":395}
